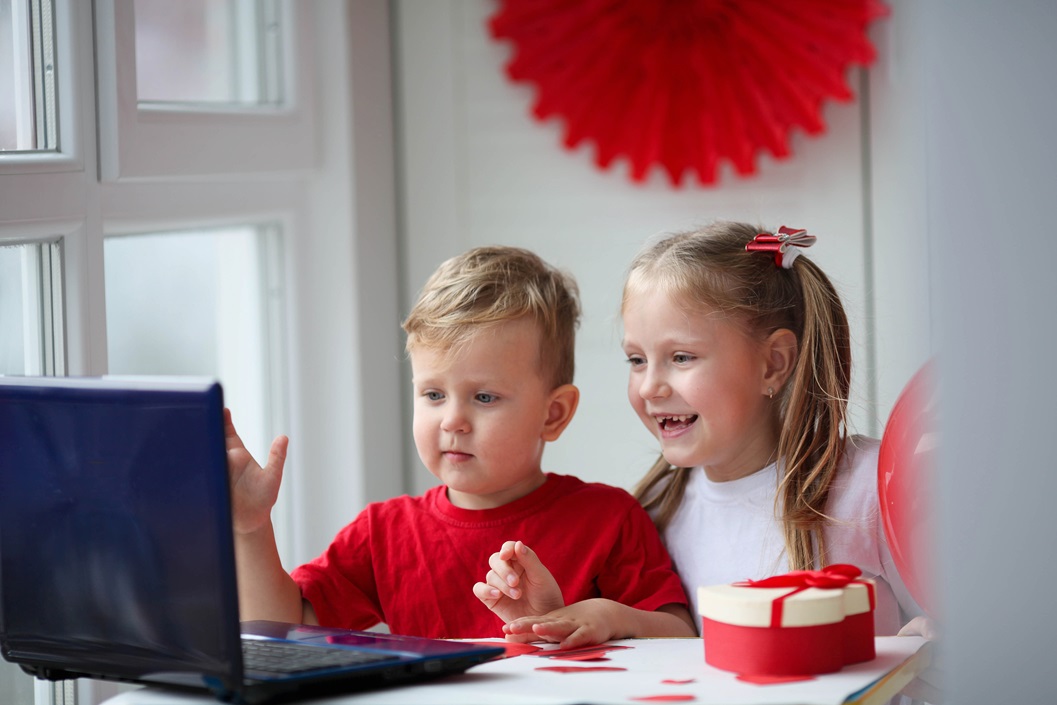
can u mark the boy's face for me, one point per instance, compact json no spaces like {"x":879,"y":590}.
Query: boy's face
{"x":480,"y":415}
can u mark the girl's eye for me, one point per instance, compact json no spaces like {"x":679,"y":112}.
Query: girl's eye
{"x":636,"y":360}
{"x":433,"y":396}
{"x":682,"y":357}
{"x":485,"y":397}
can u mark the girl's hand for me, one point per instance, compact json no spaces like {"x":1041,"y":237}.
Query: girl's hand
{"x":518,"y":584}
{"x":582,"y":624}
{"x":253,"y":489}
{"x":927,"y":687}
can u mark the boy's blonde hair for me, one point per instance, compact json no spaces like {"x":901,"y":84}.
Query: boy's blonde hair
{"x":710,"y":268}
{"x":487,"y":286}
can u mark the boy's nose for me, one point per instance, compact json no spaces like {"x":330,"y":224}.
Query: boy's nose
{"x":455,"y":419}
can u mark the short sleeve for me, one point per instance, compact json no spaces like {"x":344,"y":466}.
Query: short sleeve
{"x":340,"y":583}
{"x":638,"y":571}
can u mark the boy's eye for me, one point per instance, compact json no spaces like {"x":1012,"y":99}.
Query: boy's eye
{"x":433,"y":395}
{"x":682,"y":357}
{"x":636,"y":360}
{"x":485,"y":397}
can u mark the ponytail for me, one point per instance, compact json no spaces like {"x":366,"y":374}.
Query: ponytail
{"x":814,"y":418}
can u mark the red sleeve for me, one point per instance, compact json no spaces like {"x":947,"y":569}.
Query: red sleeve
{"x":340,"y":583}
{"x":638,"y":571}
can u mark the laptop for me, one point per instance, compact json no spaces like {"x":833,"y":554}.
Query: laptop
{"x":117,"y":556}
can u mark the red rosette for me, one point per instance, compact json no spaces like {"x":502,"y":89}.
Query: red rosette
{"x":685,"y":84}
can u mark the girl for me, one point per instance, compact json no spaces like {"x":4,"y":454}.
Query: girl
{"x":740,"y":366}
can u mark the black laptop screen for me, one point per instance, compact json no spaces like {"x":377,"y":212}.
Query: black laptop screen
{"x":101,"y":564}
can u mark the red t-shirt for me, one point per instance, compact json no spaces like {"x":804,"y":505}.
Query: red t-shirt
{"x":411,"y":562}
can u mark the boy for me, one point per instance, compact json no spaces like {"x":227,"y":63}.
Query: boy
{"x":491,"y":341}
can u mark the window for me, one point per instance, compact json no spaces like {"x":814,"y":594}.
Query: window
{"x":208,"y":53}
{"x":31,"y":314}
{"x":27,"y":76}
{"x":207,"y":302}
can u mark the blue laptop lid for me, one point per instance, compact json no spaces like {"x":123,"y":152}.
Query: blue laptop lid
{"x":115,"y":530}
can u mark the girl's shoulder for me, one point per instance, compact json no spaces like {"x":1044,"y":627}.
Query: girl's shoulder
{"x":860,"y":454}
{"x":855,"y":484}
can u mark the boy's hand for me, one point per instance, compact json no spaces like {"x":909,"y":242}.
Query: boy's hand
{"x":581,"y":624}
{"x":518,"y":584}
{"x":253,"y":489}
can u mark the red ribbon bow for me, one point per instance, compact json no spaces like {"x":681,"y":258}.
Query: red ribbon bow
{"x":779,"y":243}
{"x":836,"y":576}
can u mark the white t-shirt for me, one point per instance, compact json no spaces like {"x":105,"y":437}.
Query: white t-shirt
{"x":724,"y":532}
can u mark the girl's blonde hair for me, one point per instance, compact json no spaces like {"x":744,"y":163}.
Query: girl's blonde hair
{"x":486,"y":286}
{"x":710,"y":268}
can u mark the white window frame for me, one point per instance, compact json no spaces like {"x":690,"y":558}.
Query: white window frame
{"x":336,"y":207}
{"x":165,"y":140}
{"x":67,"y":156}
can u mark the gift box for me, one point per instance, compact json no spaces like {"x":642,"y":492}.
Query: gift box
{"x":801,"y":623}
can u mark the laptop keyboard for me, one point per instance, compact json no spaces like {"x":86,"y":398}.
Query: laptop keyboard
{"x":289,"y":657}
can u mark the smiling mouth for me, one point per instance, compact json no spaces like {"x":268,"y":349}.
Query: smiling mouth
{"x":672,"y":424}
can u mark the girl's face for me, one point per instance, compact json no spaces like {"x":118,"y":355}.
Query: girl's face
{"x":697,"y":383}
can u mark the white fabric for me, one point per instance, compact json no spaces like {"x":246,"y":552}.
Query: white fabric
{"x":727,"y":531}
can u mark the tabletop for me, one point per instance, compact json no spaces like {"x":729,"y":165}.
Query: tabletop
{"x":645,"y":670}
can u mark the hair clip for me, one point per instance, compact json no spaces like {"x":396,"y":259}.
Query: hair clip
{"x":779,"y":243}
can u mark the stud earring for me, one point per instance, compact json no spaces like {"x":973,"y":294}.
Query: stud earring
{"x":770,"y":392}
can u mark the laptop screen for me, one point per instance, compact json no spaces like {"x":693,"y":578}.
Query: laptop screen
{"x":115,"y":543}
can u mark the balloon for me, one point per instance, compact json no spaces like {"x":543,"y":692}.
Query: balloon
{"x":905,"y":473}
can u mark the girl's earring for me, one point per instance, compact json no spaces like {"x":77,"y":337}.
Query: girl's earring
{"x":770,"y":392}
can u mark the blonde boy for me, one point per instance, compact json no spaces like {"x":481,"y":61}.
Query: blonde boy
{"x":491,"y":341}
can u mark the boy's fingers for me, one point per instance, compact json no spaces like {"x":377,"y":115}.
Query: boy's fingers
{"x":496,"y":582}
{"x":277,"y":455}
{"x":486,"y":593}
{"x":533,"y":569}
{"x":507,"y":551}
{"x":503,"y":568}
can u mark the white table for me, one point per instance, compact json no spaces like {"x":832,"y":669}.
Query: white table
{"x":649,"y":663}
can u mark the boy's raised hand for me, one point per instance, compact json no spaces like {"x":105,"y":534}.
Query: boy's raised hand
{"x":518,"y":584}
{"x":254,"y":489}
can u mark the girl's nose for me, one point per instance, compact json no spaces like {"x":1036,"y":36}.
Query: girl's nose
{"x":654,"y":385}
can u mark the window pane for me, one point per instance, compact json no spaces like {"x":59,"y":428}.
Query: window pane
{"x":27,"y":76}
{"x":208,"y":51}
{"x":31,"y":315}
{"x":206,"y":303}
{"x":30,"y":302}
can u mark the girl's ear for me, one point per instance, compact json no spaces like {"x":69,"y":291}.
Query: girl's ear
{"x":780,"y":354}
{"x":560,"y":410}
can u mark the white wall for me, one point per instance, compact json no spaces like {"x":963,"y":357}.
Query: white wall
{"x":477,"y":169}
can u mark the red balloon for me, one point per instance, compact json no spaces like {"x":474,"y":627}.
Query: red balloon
{"x":905,"y":473}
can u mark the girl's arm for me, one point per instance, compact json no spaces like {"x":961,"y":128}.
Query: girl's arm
{"x":524,"y":594}
{"x":600,"y":620}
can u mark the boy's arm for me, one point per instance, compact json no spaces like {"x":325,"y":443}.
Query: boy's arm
{"x":599,"y":620}
{"x":266,"y":591}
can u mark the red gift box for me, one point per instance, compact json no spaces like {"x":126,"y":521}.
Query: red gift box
{"x":801,"y":623}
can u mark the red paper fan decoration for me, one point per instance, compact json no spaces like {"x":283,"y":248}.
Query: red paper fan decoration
{"x":685,"y":84}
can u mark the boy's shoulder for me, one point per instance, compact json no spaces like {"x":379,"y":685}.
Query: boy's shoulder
{"x":569,"y":484}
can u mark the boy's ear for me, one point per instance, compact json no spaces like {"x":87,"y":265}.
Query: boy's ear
{"x":560,"y":410}
{"x":780,"y":354}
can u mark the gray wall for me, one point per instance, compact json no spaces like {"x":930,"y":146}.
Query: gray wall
{"x":992,"y":179}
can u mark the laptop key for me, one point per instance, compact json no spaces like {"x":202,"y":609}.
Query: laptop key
{"x":289,"y":657}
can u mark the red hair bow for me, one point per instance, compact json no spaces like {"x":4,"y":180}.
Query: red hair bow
{"x":785,"y":244}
